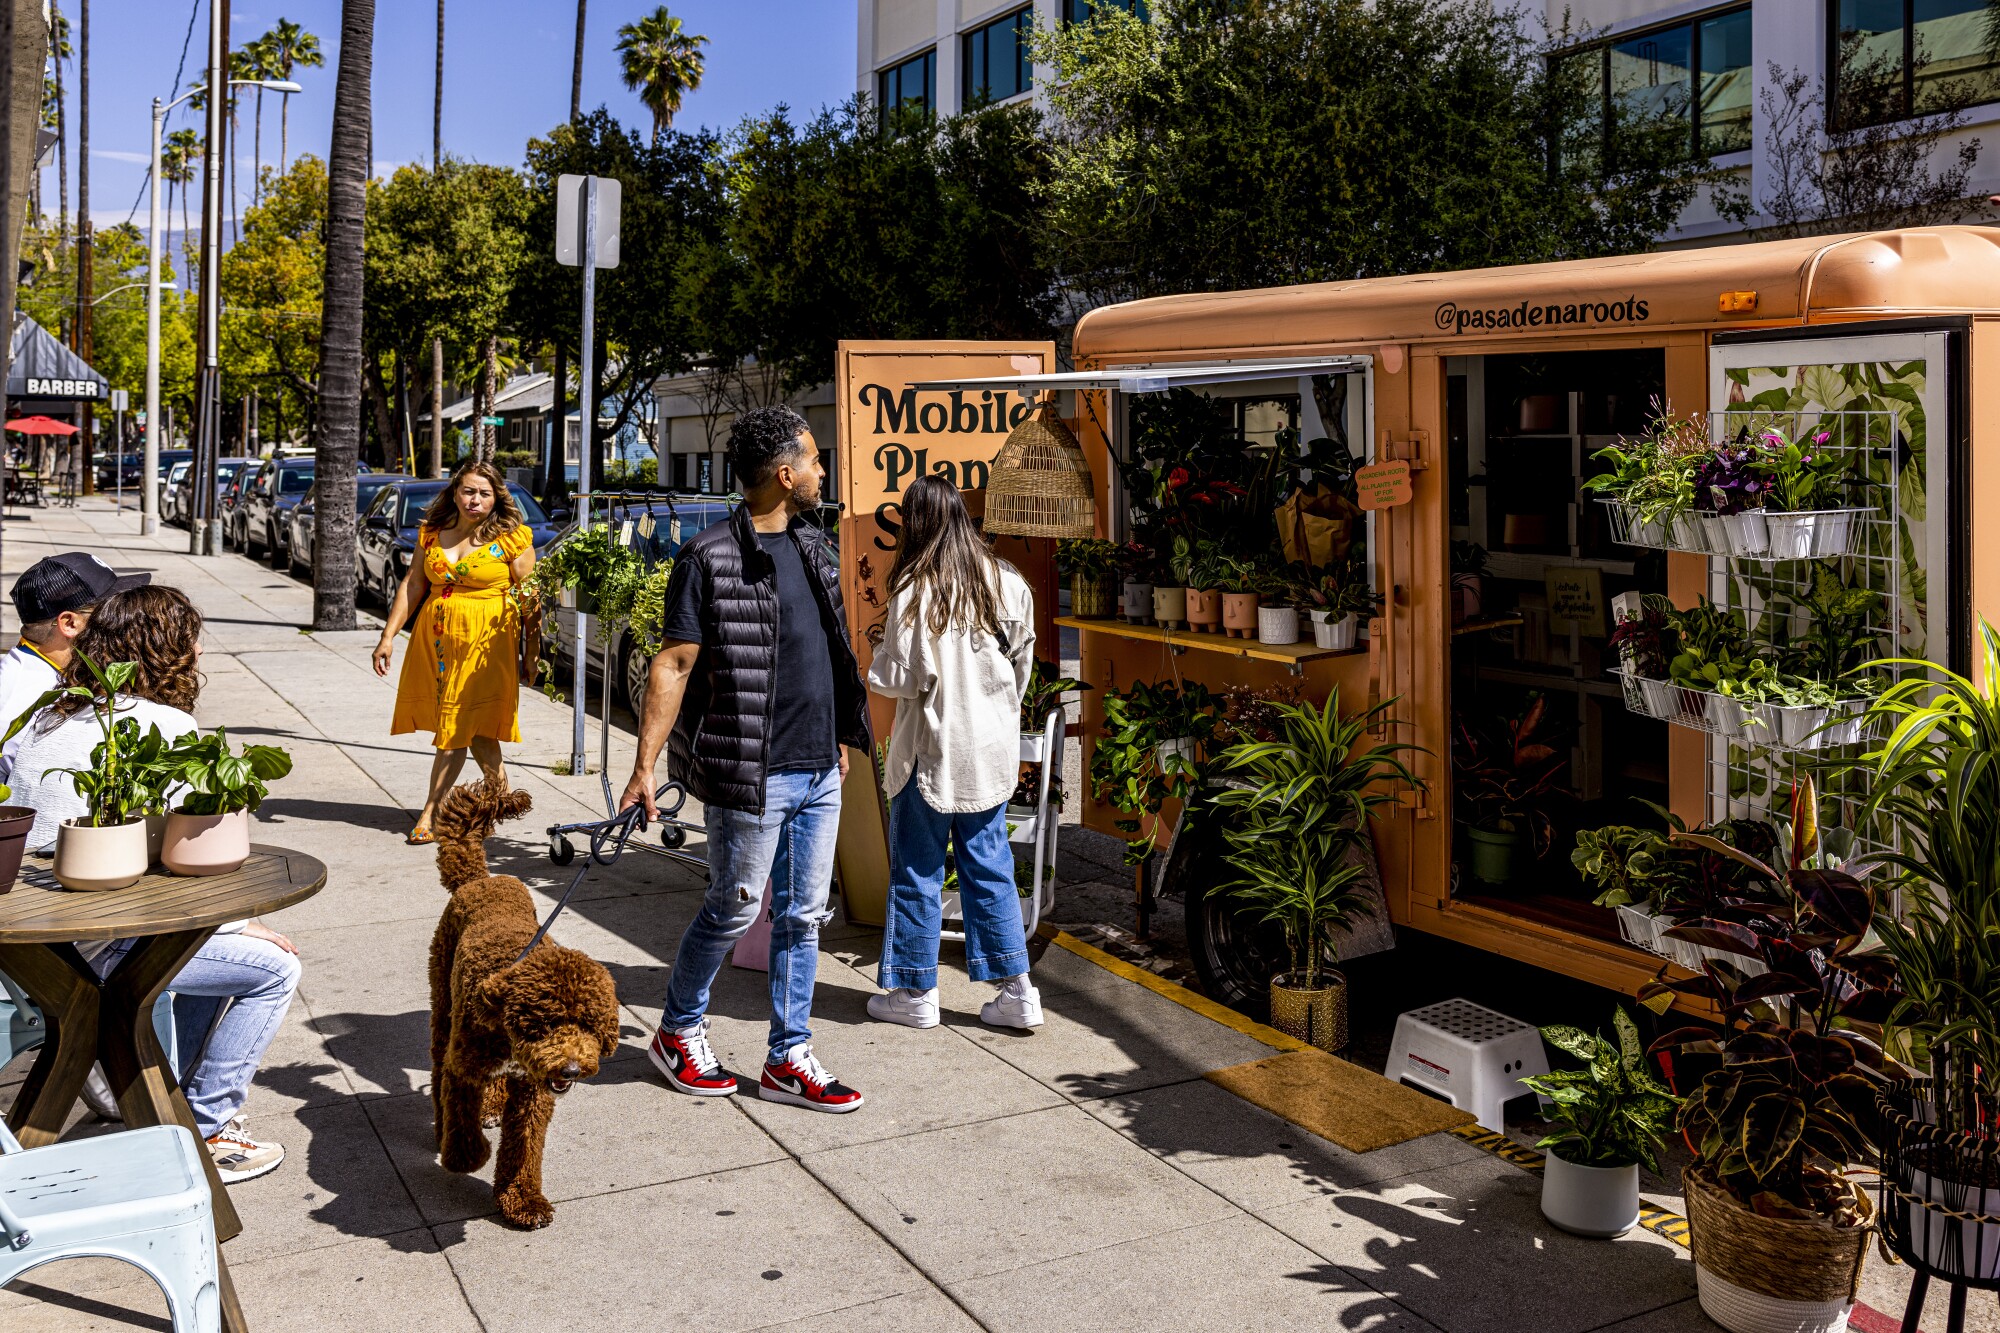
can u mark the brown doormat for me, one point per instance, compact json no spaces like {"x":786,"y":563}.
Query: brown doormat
{"x":1359,"y":1110}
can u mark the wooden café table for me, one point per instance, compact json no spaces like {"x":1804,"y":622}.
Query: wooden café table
{"x":112,"y":1020}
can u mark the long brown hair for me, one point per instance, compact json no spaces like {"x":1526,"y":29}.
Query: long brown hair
{"x":506,"y":515}
{"x":157,"y":629}
{"x":943,"y":554}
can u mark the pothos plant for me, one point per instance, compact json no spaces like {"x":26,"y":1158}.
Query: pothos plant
{"x":1127,"y":769}
{"x":1046,"y":687}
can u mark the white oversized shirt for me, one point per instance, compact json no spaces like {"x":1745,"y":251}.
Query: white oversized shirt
{"x":958,"y":700}
{"x":25,"y":676}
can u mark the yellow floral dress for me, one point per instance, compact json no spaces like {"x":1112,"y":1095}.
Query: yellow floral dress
{"x":460,"y":677}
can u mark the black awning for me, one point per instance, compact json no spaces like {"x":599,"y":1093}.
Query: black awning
{"x":41,"y":367}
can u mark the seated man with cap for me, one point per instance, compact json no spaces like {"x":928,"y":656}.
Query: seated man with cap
{"x":54,"y":597}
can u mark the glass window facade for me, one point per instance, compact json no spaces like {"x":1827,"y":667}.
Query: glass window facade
{"x":908,"y":88}
{"x":1078,"y":11}
{"x":1897,"y":58}
{"x":997,"y":66}
{"x":1699,"y":71}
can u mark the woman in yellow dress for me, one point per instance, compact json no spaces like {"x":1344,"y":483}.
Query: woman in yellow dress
{"x":460,"y":680}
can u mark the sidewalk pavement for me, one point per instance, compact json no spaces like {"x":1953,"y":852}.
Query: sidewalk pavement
{"x":1084,"y":1176}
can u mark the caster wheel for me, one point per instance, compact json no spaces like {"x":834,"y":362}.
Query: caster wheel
{"x":673,"y":839}
{"x":561,"y":852}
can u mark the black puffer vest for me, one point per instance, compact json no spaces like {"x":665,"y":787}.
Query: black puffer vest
{"x":717,"y":748}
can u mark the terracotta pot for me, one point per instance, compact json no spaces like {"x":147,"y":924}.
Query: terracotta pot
{"x":1239,"y":614}
{"x":1170,"y":606}
{"x":15,"y":821}
{"x":1204,"y":609}
{"x":110,"y":857}
{"x":206,"y":844}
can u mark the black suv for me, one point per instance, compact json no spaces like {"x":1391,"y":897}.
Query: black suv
{"x":260,"y":521}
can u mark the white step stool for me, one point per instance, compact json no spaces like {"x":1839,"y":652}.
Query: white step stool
{"x":1472,"y":1056}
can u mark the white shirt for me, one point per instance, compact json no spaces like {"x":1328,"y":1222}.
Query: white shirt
{"x":25,"y":676}
{"x":958,"y":700}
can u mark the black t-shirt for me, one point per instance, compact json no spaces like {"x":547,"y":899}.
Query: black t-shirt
{"x":802,"y":730}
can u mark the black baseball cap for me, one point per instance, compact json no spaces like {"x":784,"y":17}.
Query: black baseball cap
{"x":68,"y":582}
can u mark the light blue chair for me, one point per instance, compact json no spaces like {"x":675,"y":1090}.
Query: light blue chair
{"x":22,"y":1027}
{"x":137,"y":1196}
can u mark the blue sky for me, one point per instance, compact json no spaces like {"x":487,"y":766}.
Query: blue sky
{"x":507,"y":70}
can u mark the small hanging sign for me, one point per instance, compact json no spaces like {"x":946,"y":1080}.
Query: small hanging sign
{"x":1383,"y":485}
{"x":646,"y":524}
{"x":625,"y":533}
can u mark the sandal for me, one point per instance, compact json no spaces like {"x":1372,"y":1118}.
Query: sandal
{"x":419,"y":837}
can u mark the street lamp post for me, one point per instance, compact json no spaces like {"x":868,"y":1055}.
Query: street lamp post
{"x":149,"y":497}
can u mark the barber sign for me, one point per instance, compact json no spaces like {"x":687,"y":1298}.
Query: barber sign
{"x":39,"y":387}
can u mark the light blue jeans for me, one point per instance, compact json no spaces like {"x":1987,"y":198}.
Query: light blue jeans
{"x":791,"y":844}
{"x":220,"y":1048}
{"x":996,"y":946}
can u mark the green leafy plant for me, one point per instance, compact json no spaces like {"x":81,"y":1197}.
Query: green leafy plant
{"x":1088,"y":557}
{"x":1509,"y":775}
{"x":1126,"y":768}
{"x":1612,"y":1112}
{"x":1046,"y":687}
{"x":647,"y":615}
{"x":113,"y":788}
{"x":588,"y":559}
{"x":219,"y":782}
{"x":1236,"y":574}
{"x":1837,"y":617}
{"x":1305,"y":801}
{"x":1802,"y":473}
{"x":1655,"y":473}
{"x":1620,"y":860}
{"x":1207,"y":565}
{"x":1706,"y":636}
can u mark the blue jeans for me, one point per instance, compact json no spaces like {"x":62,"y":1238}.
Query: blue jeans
{"x":995,"y":944}
{"x":791,"y":844}
{"x":220,"y":1048}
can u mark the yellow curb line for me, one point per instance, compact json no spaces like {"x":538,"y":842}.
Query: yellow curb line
{"x":1652,"y":1217}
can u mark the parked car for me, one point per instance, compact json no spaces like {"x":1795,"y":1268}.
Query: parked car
{"x":133,"y":466}
{"x":170,"y":492}
{"x":266,"y":500}
{"x":226,"y":470}
{"x":387,"y":541}
{"x":302,"y":526}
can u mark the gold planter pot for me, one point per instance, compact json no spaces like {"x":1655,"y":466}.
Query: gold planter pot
{"x":1091,"y":597}
{"x":1316,"y":1016}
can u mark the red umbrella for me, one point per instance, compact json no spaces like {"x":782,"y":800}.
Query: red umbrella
{"x":41,"y":426}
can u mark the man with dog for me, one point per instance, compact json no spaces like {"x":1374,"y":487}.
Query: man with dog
{"x":753,"y":694}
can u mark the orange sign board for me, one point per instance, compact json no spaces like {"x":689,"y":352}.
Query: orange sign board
{"x":1383,"y":485}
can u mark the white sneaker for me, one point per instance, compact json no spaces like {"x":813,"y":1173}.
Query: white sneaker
{"x":1018,"y":1005}
{"x":911,"y":1008}
{"x":97,"y":1096}
{"x":238,"y":1157}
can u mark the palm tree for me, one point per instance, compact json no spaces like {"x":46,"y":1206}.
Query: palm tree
{"x":291,"y":46}
{"x":437,"y":99}
{"x":260,"y":56}
{"x":178,"y":155}
{"x":662,"y":64}
{"x":576,"y":70}
{"x":59,"y":51}
{"x":338,"y":448}
{"x":242,"y":65}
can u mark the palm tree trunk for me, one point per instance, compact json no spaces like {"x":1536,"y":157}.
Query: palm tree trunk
{"x":576,"y":70}
{"x":235,"y":222}
{"x":62,"y":126}
{"x":488,"y":374}
{"x":340,"y":330}
{"x":553,"y":481}
{"x":256,"y":150}
{"x":437,"y":99}
{"x":284,"y":128}
{"x":437,"y":408}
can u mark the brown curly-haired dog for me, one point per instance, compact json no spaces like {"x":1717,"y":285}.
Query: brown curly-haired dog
{"x":525,"y":1030}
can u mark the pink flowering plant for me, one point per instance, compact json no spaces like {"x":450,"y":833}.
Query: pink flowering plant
{"x":1802,"y":473}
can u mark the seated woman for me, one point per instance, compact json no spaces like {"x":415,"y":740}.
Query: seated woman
{"x":253,"y":969}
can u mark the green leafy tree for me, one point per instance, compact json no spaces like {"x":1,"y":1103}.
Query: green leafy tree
{"x":662,"y":63}
{"x":271,"y":284}
{"x":1261,"y":142}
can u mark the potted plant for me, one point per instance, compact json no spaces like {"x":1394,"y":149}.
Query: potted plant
{"x":1507,"y":777}
{"x":1935,"y":792}
{"x":1046,"y":687}
{"x":1806,"y":480}
{"x":1139,"y":565}
{"x":1468,"y":580}
{"x":1170,"y":596}
{"x":1279,"y":593}
{"x":1298,"y":847}
{"x":208,"y":833}
{"x":1611,"y":1117}
{"x":106,"y":849}
{"x":1146,"y":754}
{"x":1651,"y":485}
{"x":1206,"y":569}
{"x":1729,"y":492}
{"x":1091,"y":563}
{"x":1338,"y":600}
{"x":578,"y":569}
{"x":1238,"y":579}
{"x":1779,"y":1231}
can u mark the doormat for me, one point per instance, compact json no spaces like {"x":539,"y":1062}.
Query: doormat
{"x":1351,"y":1106}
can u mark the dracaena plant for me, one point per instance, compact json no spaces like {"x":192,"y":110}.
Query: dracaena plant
{"x":218,"y":782}
{"x":1612,"y":1112}
{"x":1780,"y":1122}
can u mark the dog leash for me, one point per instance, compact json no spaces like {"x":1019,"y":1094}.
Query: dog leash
{"x":606,"y":839}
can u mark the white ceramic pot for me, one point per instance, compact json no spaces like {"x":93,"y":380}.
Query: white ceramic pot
{"x":1336,"y":633}
{"x":1277,"y":624}
{"x":1034,"y":747}
{"x":206,"y":844}
{"x":1714,"y":533}
{"x":1184,"y":747}
{"x":1749,"y":536}
{"x":1970,"y":1249}
{"x":1810,"y":534}
{"x":1170,"y":606}
{"x":1600,"y":1201}
{"x":1137,"y":602}
{"x":1687,"y":535}
{"x":100,"y":858}
{"x":1644,"y":532}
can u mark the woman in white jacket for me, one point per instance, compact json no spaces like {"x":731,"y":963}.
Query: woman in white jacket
{"x":957,"y":646}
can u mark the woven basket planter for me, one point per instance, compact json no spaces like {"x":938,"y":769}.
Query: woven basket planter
{"x":1771,"y":1275}
{"x":1040,"y":483}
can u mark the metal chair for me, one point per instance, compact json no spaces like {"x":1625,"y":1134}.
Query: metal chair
{"x":22,"y":1027}
{"x":138,"y":1196}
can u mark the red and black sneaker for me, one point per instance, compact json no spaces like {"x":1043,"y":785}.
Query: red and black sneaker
{"x":803,"y":1081}
{"x":689,"y":1063}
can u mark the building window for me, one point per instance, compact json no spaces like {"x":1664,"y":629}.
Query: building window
{"x":1079,"y":11}
{"x":1698,"y":71}
{"x":996,"y":60}
{"x":1893,"y":59}
{"x":908,"y":89}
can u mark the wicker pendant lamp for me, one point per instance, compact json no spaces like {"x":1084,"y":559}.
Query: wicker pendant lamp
{"x":1040,"y":483}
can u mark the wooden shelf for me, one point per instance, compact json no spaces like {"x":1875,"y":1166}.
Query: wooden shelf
{"x":1480,"y":626}
{"x":1180,"y":640}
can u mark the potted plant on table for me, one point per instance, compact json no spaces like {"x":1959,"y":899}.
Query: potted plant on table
{"x":1779,"y":1231}
{"x":1207,"y":566}
{"x":1805,"y":483}
{"x":1338,"y":600}
{"x":1091,"y":564}
{"x":1301,"y":845}
{"x":208,"y":833}
{"x":106,"y":849}
{"x":1508,"y":775}
{"x":1238,"y":579}
{"x":1170,"y":595}
{"x":1140,"y":568}
{"x":1280,"y":592}
{"x":1612,"y":1116}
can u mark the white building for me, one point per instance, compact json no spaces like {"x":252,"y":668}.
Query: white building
{"x":1711,"y":61}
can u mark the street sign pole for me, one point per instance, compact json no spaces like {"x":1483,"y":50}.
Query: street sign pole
{"x":118,"y":445}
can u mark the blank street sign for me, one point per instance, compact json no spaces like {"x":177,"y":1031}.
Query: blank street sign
{"x":569,"y":220}
{"x":118,"y":400}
